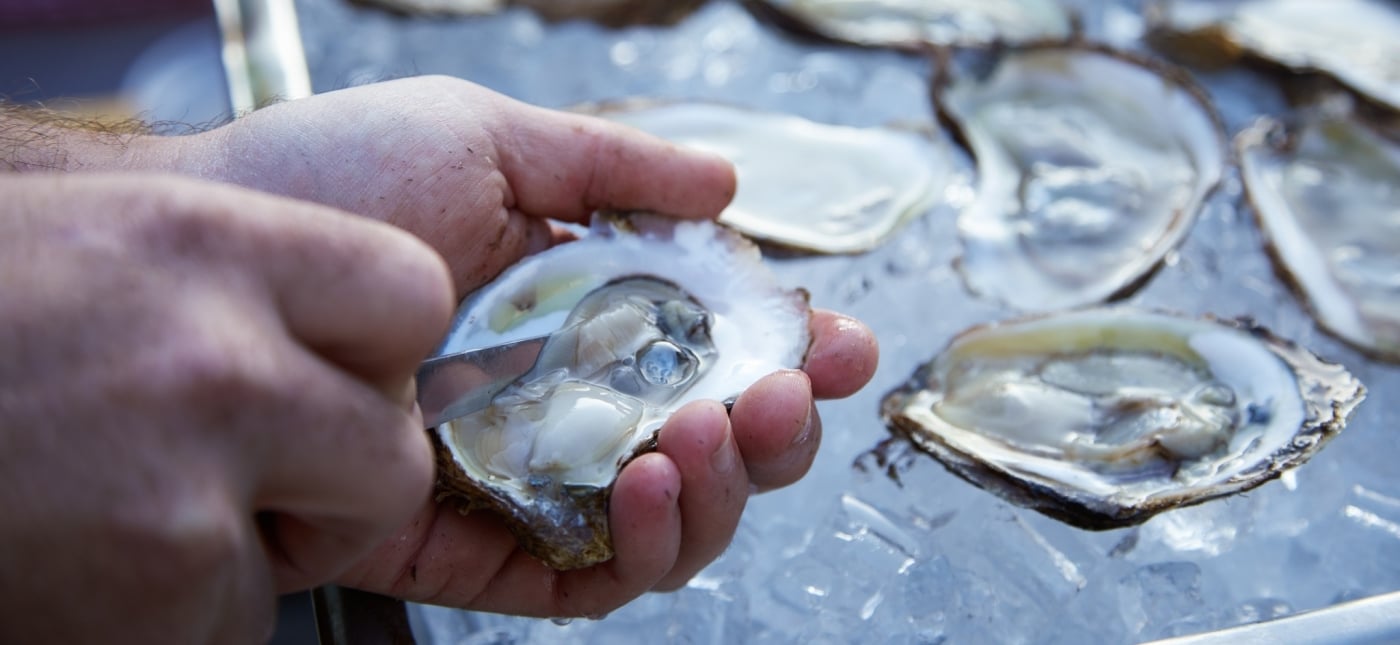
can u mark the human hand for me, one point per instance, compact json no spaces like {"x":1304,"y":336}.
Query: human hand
{"x":671,"y":513}
{"x":476,"y":175}
{"x":479,"y":177}
{"x":205,"y":399}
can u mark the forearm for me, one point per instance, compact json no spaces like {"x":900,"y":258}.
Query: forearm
{"x":39,"y":140}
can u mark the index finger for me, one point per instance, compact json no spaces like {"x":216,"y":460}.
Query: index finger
{"x":566,"y":166}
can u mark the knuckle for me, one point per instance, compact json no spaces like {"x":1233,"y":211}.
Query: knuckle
{"x":179,"y":220}
{"x":210,"y":372}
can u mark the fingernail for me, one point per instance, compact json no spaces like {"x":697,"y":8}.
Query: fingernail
{"x":808,"y":428}
{"x":724,"y":458}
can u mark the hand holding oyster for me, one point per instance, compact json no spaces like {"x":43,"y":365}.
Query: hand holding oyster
{"x":646,"y":315}
{"x":483,"y":178}
{"x":615,"y":458}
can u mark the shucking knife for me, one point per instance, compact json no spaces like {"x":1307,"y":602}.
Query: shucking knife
{"x":455,"y":385}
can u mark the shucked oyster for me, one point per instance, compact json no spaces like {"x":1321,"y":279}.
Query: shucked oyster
{"x":1353,"y":41}
{"x":1104,"y":417}
{"x":1326,"y":193}
{"x":1091,"y":165}
{"x":918,"y":23}
{"x":807,"y":185}
{"x":647,"y":314}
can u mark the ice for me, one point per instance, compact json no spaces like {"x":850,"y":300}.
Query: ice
{"x":884,"y":545}
{"x":1157,"y":594}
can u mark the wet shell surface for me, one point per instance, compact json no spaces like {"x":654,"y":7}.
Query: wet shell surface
{"x":613,"y":13}
{"x":1326,"y":193}
{"x":1092,"y":167}
{"x":914,"y":24}
{"x":808,"y":185}
{"x":439,"y":7}
{"x":1354,"y":41}
{"x":646,"y":315}
{"x":1104,"y":417}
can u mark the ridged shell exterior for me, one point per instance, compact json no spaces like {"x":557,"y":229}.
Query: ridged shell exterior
{"x":1327,"y":393}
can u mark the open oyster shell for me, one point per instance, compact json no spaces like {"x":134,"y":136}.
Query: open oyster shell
{"x":438,"y":7}
{"x":1104,"y":417}
{"x":1326,"y":193}
{"x":1092,"y":165}
{"x":855,"y":187}
{"x":1353,"y":41}
{"x":647,"y":314}
{"x":612,"y":13}
{"x":915,"y":24}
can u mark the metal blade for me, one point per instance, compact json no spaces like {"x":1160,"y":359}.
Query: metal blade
{"x":456,"y":385}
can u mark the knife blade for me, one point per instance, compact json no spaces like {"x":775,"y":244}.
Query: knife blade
{"x":455,"y":385}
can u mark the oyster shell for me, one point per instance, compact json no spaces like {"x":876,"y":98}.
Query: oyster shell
{"x":647,"y":314}
{"x":914,"y":24}
{"x":1326,"y":193}
{"x":1092,"y":166}
{"x":438,"y":7}
{"x":856,"y":187}
{"x":1104,"y":417}
{"x":1353,"y":41}
{"x":612,"y":13}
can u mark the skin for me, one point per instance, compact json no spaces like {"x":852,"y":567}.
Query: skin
{"x":233,"y":332}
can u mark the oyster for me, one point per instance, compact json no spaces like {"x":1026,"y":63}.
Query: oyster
{"x":438,"y":7}
{"x":1092,"y":166}
{"x":646,"y":314}
{"x":613,"y":13}
{"x":856,"y":187}
{"x":1104,"y":417}
{"x":913,"y":24}
{"x":1353,"y":41}
{"x":1326,"y":192}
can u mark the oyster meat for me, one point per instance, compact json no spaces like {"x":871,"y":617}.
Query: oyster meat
{"x":914,"y":24}
{"x":1092,"y":166}
{"x":855,"y":186}
{"x":1103,"y":417}
{"x":1353,"y":41}
{"x":1326,"y":193}
{"x":646,"y":314}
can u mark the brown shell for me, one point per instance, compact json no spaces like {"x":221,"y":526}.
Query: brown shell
{"x":582,"y":541}
{"x":1330,"y":395}
{"x":614,"y":13}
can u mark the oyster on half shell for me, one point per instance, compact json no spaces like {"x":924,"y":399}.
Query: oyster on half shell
{"x":612,"y":13}
{"x":1326,"y":193}
{"x":1092,"y":166}
{"x":855,"y":187}
{"x":1353,"y":41}
{"x":1104,"y":417}
{"x":916,"y":24}
{"x":646,"y":314}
